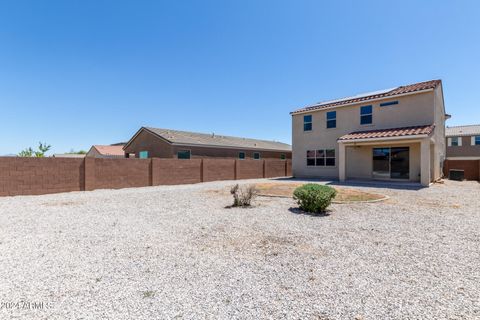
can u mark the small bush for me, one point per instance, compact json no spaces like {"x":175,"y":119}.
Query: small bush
{"x":314,"y":198}
{"x":243,"y":196}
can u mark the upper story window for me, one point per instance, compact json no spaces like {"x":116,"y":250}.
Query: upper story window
{"x":321,"y":158}
{"x":389,"y":103}
{"x":454,"y":142}
{"x":283,"y":156}
{"x":331,"y":119}
{"x":256,"y":155}
{"x":143,"y":154}
{"x":307,"y":123}
{"x":366,"y":115}
{"x":476,"y":140}
{"x":241,"y":155}
{"x":183,"y":154}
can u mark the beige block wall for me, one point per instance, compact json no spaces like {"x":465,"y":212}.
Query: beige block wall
{"x":412,"y":110}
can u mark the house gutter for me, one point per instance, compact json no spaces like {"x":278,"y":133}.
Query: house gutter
{"x":353,"y":141}
{"x":226,"y":147}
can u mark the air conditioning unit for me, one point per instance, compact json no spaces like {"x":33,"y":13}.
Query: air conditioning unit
{"x":458,"y":175}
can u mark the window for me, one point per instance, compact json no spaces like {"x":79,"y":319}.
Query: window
{"x":241,"y":155}
{"x":477,"y":140}
{"x":310,"y":158}
{"x":256,"y":155}
{"x":183,"y":154}
{"x":143,"y":154}
{"x":283,"y":156}
{"x":366,"y":116}
{"x":331,"y":119}
{"x":390,"y":103}
{"x":330,"y":158}
{"x":307,"y":123}
{"x":454,"y":141}
{"x":321,"y":158}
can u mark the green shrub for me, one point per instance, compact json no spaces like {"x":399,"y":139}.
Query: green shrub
{"x":314,"y":198}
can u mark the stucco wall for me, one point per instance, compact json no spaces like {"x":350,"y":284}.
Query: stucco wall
{"x":412,"y":110}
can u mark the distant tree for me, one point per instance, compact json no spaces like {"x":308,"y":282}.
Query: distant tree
{"x":28,"y":152}
{"x":40,"y":153}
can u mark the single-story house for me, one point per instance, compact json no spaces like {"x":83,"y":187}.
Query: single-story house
{"x":396,"y":134}
{"x":463,"y":150}
{"x":167,"y":143}
{"x":102,"y":151}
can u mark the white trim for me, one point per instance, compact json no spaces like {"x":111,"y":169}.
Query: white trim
{"x":463,"y":158}
{"x":459,"y":141}
{"x":421,"y":136}
{"x":449,"y":142}
{"x":294,"y":113}
{"x":473,"y":140}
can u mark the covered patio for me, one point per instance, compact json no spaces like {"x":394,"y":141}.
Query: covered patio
{"x":395,"y":154}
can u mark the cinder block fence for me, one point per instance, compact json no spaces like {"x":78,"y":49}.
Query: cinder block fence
{"x":32,"y":176}
{"x":471,"y":168}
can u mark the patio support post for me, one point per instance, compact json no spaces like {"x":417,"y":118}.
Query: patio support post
{"x":425,"y":162}
{"x":341,"y":162}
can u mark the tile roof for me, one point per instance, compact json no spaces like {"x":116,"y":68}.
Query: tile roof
{"x":373,"y":95}
{"x":458,"y":131}
{"x":110,"y":150}
{"x":194,"y":138}
{"x":387,"y":133}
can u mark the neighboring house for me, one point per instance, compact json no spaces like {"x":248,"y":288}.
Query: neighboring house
{"x":463,"y":150}
{"x":463,"y":142}
{"x":167,"y":143}
{"x":396,"y":134}
{"x":112,"y":151}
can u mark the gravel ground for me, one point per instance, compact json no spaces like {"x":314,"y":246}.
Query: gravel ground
{"x":177,"y":252}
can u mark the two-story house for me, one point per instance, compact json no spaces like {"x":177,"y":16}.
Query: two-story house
{"x":396,"y":134}
{"x":463,"y":150}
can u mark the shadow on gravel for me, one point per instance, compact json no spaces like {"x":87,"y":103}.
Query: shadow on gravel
{"x":398,"y":185}
{"x":300,"y":211}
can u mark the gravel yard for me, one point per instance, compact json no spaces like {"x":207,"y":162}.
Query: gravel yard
{"x":177,"y":252}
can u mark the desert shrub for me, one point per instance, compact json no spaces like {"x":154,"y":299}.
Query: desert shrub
{"x":243,"y":196}
{"x":314,"y":198}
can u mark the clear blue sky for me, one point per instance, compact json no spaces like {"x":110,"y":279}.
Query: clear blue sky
{"x":77,"y":73}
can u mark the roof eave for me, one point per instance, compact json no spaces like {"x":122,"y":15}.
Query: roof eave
{"x":360,"y":102}
{"x":228,"y":147}
{"x":409,"y":137}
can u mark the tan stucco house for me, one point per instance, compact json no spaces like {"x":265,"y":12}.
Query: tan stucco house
{"x":396,"y":134}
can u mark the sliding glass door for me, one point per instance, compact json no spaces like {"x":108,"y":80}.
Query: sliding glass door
{"x":391,"y":163}
{"x":381,"y":163}
{"x":399,"y":163}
